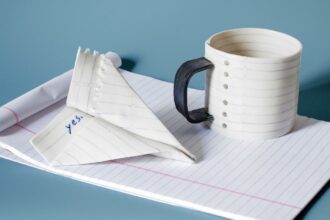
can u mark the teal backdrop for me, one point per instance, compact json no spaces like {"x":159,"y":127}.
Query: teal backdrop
{"x":39,"y":40}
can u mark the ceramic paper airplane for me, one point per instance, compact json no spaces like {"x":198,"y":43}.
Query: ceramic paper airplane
{"x":104,"y":119}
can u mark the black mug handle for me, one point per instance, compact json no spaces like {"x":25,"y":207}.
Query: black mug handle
{"x":182,"y":77}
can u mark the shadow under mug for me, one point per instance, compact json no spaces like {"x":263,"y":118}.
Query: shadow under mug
{"x":252,"y":83}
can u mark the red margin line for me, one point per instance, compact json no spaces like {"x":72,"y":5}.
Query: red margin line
{"x":208,"y":185}
{"x":25,"y":128}
{"x":13,"y":112}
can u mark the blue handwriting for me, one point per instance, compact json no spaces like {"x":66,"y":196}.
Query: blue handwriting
{"x":73,"y":123}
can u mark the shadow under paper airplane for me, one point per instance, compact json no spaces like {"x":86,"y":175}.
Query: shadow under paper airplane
{"x":128,"y":64}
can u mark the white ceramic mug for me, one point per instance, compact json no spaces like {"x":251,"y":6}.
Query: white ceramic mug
{"x":252,"y":83}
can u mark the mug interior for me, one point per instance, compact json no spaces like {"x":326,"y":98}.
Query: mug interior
{"x":255,"y":42}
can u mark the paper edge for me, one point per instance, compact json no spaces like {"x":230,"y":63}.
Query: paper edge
{"x":119,"y":188}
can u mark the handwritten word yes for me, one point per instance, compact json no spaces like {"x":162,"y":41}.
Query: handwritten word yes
{"x":73,"y":123}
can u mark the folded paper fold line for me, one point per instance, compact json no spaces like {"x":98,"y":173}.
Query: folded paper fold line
{"x":105,"y":119}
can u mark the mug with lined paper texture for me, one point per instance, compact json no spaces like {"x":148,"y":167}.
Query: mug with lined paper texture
{"x":252,"y":83}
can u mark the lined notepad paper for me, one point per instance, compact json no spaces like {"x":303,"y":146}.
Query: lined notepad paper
{"x":272,"y":179}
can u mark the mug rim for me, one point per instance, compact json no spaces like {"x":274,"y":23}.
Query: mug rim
{"x":229,"y":55}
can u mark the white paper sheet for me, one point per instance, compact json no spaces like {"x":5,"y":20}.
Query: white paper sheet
{"x":273,"y":179}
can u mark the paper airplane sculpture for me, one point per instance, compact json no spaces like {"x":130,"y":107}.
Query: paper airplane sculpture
{"x":104,"y":119}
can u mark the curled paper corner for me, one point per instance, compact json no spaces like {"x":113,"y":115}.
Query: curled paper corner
{"x":104,"y":119}
{"x":48,"y":93}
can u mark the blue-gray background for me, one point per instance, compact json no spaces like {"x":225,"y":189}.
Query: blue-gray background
{"x":39,"y":39}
